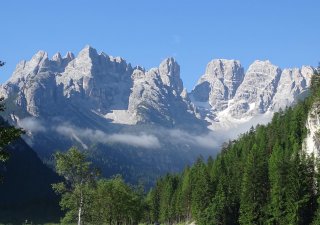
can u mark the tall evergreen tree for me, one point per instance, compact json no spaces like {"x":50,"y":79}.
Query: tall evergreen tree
{"x":299,"y":190}
{"x":185,"y":195}
{"x":201,"y":190}
{"x":254,"y":188}
{"x":167,"y":205}
{"x":217,"y":212}
{"x":278,"y":170}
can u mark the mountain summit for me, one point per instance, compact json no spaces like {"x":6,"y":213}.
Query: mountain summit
{"x":104,"y":103}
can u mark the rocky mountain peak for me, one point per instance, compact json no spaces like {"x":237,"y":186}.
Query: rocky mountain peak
{"x":255,"y":94}
{"x":218,"y":85}
{"x":111,"y":87}
{"x":57,"y":57}
{"x":117,"y":59}
{"x":87,"y":53}
{"x":69,"y":56}
{"x":221,"y":67}
{"x":38,"y":63}
{"x":293,"y":85}
{"x":263,"y":67}
{"x":307,"y":72}
{"x":39,"y":59}
{"x":169,"y":71}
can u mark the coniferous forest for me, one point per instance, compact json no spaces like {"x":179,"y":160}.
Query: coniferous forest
{"x":263,"y":177}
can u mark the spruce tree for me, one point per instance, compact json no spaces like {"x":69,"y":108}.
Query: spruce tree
{"x":278,"y":171}
{"x":186,"y":194}
{"x":217,"y":212}
{"x":254,"y":188}
{"x":316,"y":217}
{"x":201,"y":190}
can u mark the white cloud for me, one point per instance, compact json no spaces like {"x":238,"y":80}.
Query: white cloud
{"x":207,"y":140}
{"x":31,"y":124}
{"x":137,"y":140}
{"x":240,"y":128}
{"x":142,"y":140}
{"x":150,"y":138}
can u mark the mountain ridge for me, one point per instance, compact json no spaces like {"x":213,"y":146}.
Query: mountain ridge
{"x":224,"y":82}
{"x":96,"y":101}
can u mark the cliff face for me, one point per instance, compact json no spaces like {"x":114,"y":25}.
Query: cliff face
{"x":312,"y":142}
{"x":130,"y":115}
{"x":114,"y":90}
{"x":226,"y":95}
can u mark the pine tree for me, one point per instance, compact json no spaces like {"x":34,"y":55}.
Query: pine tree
{"x":153,"y":200}
{"x":254,"y":188}
{"x":217,"y":212}
{"x":201,"y":190}
{"x":299,"y":190}
{"x":278,"y":170}
{"x":185,"y":195}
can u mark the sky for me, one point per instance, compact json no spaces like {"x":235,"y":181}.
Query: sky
{"x":145,"y":32}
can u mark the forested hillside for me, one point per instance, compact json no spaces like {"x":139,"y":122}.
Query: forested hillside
{"x":263,"y":177}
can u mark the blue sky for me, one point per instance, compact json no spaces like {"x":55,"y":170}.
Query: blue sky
{"x":144,"y":32}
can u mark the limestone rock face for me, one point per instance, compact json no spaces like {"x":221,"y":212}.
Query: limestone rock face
{"x":256,"y":92}
{"x":116,"y":92}
{"x":293,"y":85}
{"x":226,"y":95}
{"x":311,"y":144}
{"x":34,"y":83}
{"x":157,"y":96}
{"x":219,"y":83}
{"x":169,"y":71}
{"x":99,"y":81}
{"x":105,"y":85}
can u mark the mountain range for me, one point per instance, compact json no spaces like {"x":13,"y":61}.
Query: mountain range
{"x":142,"y":123}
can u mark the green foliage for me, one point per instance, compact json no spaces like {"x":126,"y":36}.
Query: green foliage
{"x":315,"y":83}
{"x":76,"y":190}
{"x":263,"y":177}
{"x":7,"y":133}
{"x":115,"y":202}
{"x":254,"y":187}
{"x":91,"y":201}
{"x":201,"y":189}
{"x":278,"y":169}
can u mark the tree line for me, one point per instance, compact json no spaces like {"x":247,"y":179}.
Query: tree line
{"x":263,"y":177}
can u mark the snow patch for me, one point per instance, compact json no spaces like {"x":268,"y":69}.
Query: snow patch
{"x":120,"y":116}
